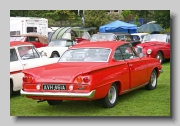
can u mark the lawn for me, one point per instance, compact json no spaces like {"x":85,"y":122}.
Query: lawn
{"x":140,"y":102}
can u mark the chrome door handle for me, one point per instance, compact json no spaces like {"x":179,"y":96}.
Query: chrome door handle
{"x":24,"y":64}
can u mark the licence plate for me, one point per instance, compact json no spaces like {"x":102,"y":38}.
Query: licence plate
{"x":54,"y":87}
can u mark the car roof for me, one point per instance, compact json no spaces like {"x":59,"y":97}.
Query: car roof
{"x":102,"y":44}
{"x":17,"y":43}
{"x":139,"y":33}
{"x":121,"y":33}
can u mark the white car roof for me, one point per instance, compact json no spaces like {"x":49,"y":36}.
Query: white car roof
{"x":139,"y":33}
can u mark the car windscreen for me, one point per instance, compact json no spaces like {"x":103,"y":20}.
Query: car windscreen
{"x":17,"y":38}
{"x":86,"y":55}
{"x":61,"y":43}
{"x":103,"y":37}
{"x":155,"y":37}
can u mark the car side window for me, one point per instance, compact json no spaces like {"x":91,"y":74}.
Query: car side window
{"x":69,"y":43}
{"x":27,"y":52}
{"x":32,"y":39}
{"x":117,"y":54}
{"x":127,"y":52}
{"x":13,"y":55}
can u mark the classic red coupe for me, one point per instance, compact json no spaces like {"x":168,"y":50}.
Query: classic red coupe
{"x":155,"y":46}
{"x":91,"y":71}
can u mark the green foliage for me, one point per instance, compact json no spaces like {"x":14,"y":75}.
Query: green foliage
{"x":142,"y":13}
{"x":127,"y":15}
{"x":167,"y":30}
{"x":95,"y":18}
{"x":162,"y":17}
{"x":136,"y":21}
{"x":115,"y":16}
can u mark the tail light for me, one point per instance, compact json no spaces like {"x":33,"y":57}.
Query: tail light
{"x":28,"y":79}
{"x":83,"y":79}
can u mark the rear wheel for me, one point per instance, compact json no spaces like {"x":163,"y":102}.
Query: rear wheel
{"x":153,"y":81}
{"x":54,"y":55}
{"x":11,"y":90}
{"x":160,"y":57}
{"x":110,"y":99}
{"x":54,"y":102}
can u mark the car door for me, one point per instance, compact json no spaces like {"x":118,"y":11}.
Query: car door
{"x":137,"y":67}
{"x":31,"y":58}
{"x":16,"y":68}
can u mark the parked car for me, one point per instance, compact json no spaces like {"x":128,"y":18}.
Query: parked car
{"x":156,"y":46}
{"x":128,"y":38}
{"x":56,"y":47}
{"x":139,"y":36}
{"x":36,"y":39}
{"x":101,"y":37}
{"x":91,"y":71}
{"x":23,"y":56}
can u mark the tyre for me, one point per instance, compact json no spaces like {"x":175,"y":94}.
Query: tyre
{"x":160,"y":57}
{"x":110,"y":99}
{"x":54,"y":102}
{"x":153,"y":81}
{"x":54,"y":55}
{"x":11,"y":90}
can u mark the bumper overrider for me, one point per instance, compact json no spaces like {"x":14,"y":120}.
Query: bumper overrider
{"x":59,"y":94}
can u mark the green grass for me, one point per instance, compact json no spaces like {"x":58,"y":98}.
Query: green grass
{"x":140,"y":102}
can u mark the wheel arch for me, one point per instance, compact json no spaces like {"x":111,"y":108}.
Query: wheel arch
{"x":11,"y":83}
{"x":118,"y":85}
{"x":161,"y":53}
{"x":55,"y":51}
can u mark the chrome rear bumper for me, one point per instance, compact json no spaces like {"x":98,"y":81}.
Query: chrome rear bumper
{"x":59,"y":94}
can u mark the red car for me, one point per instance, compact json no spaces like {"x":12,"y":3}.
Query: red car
{"x":155,"y":46}
{"x":91,"y":71}
{"x":35,"y":39}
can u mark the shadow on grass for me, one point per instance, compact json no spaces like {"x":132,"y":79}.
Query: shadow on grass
{"x":68,"y":108}
{"x":15,"y":94}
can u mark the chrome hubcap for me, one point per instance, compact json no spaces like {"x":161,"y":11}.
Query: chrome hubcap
{"x":159,"y":58}
{"x":153,"y":79}
{"x":112,"y":94}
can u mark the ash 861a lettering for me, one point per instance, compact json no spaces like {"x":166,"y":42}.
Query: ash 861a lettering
{"x":54,"y":87}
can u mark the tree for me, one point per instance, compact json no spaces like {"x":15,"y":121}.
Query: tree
{"x":127,"y":15}
{"x":115,"y":16}
{"x":95,"y":18}
{"x":162,"y":17}
{"x":60,"y":15}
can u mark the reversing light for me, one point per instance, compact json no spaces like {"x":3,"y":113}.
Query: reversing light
{"x":71,"y":87}
{"x":86,"y":79}
{"x":38,"y":87}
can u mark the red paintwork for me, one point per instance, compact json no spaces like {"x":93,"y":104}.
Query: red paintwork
{"x":102,"y":74}
{"x":15,"y":72}
{"x":156,"y":46}
{"x":17,"y":43}
{"x":78,"y":40}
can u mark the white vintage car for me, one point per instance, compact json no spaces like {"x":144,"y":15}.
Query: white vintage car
{"x":56,"y":47}
{"x":24,"y":55}
{"x":139,"y":35}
